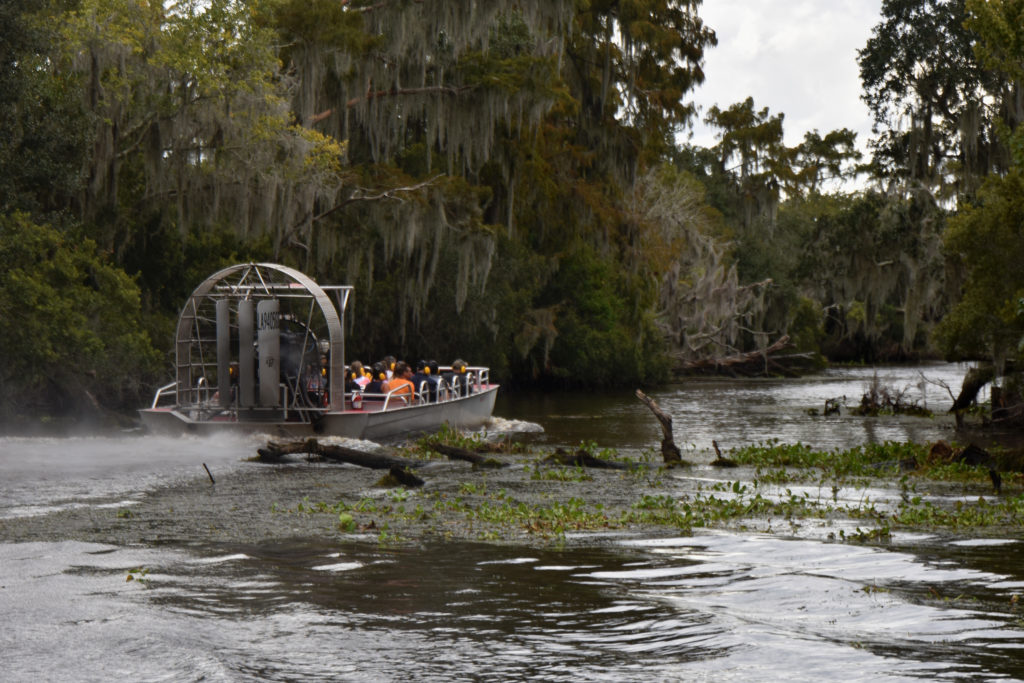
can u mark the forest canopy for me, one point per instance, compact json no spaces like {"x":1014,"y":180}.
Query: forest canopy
{"x":502,"y":181}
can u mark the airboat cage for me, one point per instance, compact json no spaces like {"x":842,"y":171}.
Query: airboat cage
{"x":252,"y":335}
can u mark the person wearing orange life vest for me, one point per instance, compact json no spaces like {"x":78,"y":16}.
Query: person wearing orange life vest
{"x":400,"y":385}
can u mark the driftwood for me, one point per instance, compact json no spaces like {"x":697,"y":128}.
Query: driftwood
{"x":456,"y":453}
{"x":669,"y":451}
{"x":377,"y":461}
{"x":581,"y":458}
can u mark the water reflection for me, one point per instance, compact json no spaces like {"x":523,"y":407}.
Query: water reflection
{"x":722,"y":606}
{"x":741,"y":412}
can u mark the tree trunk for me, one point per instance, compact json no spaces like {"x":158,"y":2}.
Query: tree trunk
{"x":274,"y":451}
{"x":669,"y":451}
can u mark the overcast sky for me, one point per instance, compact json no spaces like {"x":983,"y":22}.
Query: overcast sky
{"x":796,"y":57}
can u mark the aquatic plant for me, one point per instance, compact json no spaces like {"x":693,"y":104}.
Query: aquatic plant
{"x":139,"y":575}
{"x":868,"y":460}
{"x":559,"y":473}
{"x":346,"y":522}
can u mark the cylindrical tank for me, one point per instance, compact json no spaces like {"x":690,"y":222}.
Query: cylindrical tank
{"x":224,"y":352}
{"x":246,"y":354}
{"x":268,"y":347}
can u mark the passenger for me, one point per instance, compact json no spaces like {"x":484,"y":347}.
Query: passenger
{"x":424,"y":383}
{"x":362,"y":375}
{"x":352,"y":378}
{"x":233,"y":379}
{"x":357,"y":375}
{"x":389,"y":366}
{"x":378,"y":383}
{"x":325,"y":379}
{"x":401,"y":386}
{"x":461,"y":384}
{"x":315,"y":386}
{"x":435,"y":380}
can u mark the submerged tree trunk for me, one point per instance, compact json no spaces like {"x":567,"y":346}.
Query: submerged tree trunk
{"x":669,"y":451}
{"x":974,"y":381}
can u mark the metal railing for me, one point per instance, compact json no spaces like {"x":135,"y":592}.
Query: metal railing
{"x":203,"y":406}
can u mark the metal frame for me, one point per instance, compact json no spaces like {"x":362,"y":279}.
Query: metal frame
{"x":256,"y":281}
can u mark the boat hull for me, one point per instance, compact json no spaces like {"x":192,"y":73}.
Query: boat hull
{"x":371,"y":423}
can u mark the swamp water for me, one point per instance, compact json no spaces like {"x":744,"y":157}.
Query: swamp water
{"x":717,"y":605}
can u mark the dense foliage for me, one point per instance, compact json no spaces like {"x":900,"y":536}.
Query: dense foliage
{"x":501,"y":181}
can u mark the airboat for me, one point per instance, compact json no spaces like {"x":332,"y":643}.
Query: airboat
{"x":260,"y":348}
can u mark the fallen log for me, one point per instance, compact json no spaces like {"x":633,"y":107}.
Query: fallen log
{"x":581,"y":458}
{"x":377,"y":461}
{"x":669,"y":451}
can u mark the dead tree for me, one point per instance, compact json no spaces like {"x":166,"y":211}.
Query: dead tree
{"x":669,"y":451}
{"x":975,"y":379}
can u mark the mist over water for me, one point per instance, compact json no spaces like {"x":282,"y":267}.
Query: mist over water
{"x":714,"y":606}
{"x":44,"y":474}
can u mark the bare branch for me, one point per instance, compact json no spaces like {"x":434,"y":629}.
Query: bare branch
{"x":395,"y":92}
{"x":289,"y":236}
{"x":386,"y":194}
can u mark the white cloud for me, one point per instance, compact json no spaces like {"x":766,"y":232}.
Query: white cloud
{"x":796,"y":57}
